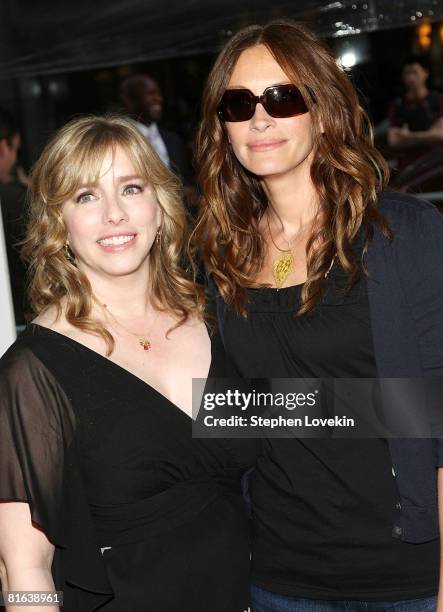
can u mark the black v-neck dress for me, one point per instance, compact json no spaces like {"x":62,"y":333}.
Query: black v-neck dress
{"x":143,"y":517}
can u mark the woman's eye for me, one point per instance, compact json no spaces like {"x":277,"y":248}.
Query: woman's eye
{"x":86,"y":196}
{"x":132,"y":189}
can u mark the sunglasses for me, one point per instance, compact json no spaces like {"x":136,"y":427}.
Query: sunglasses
{"x":278,"y":101}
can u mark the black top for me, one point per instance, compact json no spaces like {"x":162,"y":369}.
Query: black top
{"x":104,"y":460}
{"x":323,"y":509}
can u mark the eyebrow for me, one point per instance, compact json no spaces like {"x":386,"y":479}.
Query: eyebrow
{"x":267,"y":87}
{"x":120,"y":179}
{"x":129,"y":177}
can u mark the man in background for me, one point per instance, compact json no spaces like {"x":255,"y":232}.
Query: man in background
{"x":12,"y":202}
{"x":416,"y":118}
{"x":143,"y":101}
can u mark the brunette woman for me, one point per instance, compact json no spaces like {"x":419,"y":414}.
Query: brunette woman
{"x":320,"y":272}
{"x":106,"y":496}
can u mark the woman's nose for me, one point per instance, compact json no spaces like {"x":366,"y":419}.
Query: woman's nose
{"x":114,"y":211}
{"x":260,"y":120}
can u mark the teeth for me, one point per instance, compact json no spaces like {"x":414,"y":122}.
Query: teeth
{"x":115,"y":240}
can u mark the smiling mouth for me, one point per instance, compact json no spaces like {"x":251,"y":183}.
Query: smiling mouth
{"x":116,"y":240}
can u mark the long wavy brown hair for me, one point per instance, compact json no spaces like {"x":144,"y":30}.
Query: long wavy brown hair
{"x":73,"y":158}
{"x":347,"y":171}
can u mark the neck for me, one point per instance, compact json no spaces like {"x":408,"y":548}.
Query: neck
{"x":293,"y":201}
{"x":5,"y":177}
{"x":419,"y":92}
{"x":126,"y":297}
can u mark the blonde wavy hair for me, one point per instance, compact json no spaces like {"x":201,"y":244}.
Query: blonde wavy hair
{"x":347,"y":170}
{"x":73,"y":158}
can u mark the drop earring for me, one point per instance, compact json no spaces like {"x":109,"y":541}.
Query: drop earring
{"x":68,"y":253}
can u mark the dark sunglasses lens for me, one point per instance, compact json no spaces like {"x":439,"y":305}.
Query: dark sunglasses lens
{"x":236,"y":105}
{"x":284,"y":101}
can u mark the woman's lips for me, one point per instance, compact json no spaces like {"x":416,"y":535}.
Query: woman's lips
{"x":265,"y":145}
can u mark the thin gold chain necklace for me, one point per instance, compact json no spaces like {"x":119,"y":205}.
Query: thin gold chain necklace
{"x":143,"y":339}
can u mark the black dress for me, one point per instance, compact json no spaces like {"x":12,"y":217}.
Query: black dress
{"x":107,"y":462}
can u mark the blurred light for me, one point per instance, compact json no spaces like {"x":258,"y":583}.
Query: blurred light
{"x":441,"y":34}
{"x":54,"y":88}
{"x":348,"y":59}
{"x":424,"y":31}
{"x":331,"y":7}
{"x":34,"y":88}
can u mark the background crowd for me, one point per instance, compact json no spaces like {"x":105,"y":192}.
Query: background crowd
{"x":396,"y":71}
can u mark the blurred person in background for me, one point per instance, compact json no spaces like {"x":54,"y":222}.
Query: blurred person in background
{"x":416,"y":125}
{"x":13,"y":188}
{"x":143,"y":101}
{"x":320,"y":272}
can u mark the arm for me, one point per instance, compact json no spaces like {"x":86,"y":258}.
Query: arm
{"x":25,"y":555}
{"x":402,"y":138}
{"x":40,"y":469}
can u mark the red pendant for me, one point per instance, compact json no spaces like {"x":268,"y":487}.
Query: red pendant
{"x":145,"y":344}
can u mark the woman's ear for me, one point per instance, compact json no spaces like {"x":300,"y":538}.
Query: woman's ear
{"x":159,"y":217}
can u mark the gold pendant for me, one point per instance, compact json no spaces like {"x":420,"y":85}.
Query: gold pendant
{"x":281,"y":268}
{"x":144,"y":343}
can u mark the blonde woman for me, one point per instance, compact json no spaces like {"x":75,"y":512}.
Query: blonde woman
{"x":105,"y":495}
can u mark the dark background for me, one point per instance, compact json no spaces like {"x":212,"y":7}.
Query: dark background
{"x":63,"y":59}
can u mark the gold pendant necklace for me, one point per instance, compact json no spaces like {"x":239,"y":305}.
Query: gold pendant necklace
{"x":143,"y":339}
{"x":281,"y":266}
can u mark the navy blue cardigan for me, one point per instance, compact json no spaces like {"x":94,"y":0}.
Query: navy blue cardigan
{"x":405,"y":288}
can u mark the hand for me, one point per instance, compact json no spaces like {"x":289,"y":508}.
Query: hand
{"x":437,"y":129}
{"x":404,"y":130}
{"x":22,"y":177}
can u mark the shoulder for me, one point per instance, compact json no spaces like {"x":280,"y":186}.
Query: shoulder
{"x":170,"y":136}
{"x":50,"y":320}
{"x":34,"y":406}
{"x":406,"y":210}
{"x":396,"y":104}
{"x":13,"y":189}
{"x":417,"y":228}
{"x":435,"y":96}
{"x":26,"y":380}
{"x":38,"y":354}
{"x":24,"y":356}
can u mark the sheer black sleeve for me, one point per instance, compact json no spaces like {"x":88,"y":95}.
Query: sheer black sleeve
{"x":38,"y":465}
{"x":36,"y":426}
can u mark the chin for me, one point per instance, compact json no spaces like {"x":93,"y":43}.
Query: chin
{"x":120,"y":271}
{"x":124,"y":268}
{"x":265,"y":170}
{"x":267,"y":164}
